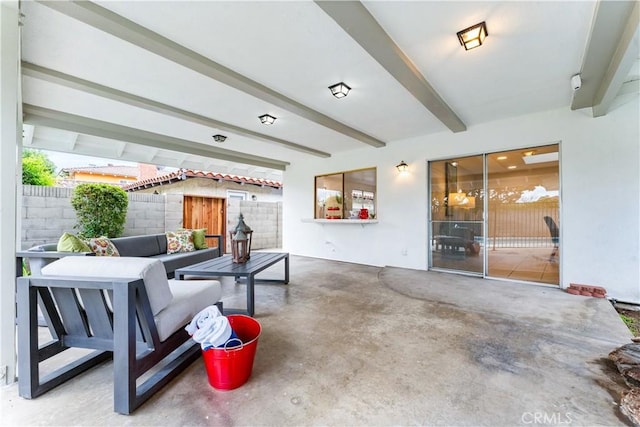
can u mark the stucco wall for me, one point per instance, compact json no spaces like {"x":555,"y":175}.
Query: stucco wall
{"x":599,"y":178}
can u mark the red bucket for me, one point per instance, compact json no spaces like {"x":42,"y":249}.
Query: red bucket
{"x":229,"y":368}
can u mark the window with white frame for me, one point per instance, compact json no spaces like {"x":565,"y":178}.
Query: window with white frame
{"x":240,"y":195}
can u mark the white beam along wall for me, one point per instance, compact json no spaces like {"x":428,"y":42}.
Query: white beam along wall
{"x":10,"y":145}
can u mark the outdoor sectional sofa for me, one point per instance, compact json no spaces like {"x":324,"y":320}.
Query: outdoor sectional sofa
{"x":148,"y":246}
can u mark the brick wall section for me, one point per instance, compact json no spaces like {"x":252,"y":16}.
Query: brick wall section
{"x":47,"y":213}
{"x":145,"y":214}
{"x":264,"y":218}
{"x":173,"y":211}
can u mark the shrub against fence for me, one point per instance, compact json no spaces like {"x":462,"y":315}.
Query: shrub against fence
{"x":101,"y":209}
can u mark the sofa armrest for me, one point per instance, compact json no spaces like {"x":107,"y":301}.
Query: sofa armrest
{"x":38,"y":259}
{"x":219,"y":237}
{"x":51,"y":254}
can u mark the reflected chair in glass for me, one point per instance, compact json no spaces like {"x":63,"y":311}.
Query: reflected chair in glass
{"x":555,"y":235}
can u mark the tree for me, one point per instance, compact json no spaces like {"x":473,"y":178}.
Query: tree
{"x":101,"y":209}
{"x":37,"y":169}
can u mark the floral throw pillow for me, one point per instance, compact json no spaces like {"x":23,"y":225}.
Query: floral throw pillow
{"x":179,"y":241}
{"x":102,"y":246}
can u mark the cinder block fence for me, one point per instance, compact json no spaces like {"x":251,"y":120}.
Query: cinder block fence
{"x":47,"y":213}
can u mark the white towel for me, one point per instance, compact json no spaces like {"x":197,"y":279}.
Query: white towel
{"x":203,"y":319}
{"x":214,"y":334}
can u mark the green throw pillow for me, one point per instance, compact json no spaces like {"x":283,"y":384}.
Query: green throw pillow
{"x":72,"y":243}
{"x":198,"y":238}
{"x":199,"y":241}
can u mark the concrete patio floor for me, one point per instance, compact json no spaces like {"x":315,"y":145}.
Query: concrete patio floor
{"x":347,"y":344}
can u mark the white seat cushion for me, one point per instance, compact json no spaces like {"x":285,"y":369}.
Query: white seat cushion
{"x":151,"y":271}
{"x":189,"y":298}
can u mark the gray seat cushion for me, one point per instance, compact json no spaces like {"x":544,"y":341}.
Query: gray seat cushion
{"x":189,"y":298}
{"x":150,"y":270}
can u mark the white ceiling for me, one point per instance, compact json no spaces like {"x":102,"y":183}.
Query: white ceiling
{"x":153,"y":81}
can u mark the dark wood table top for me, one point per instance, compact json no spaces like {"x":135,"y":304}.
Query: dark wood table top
{"x":224,"y":265}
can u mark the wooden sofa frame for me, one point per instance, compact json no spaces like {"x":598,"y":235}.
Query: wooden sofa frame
{"x":78,"y":314}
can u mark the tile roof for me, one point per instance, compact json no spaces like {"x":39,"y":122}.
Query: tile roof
{"x":183,"y":174}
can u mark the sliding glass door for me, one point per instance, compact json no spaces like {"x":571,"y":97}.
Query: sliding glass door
{"x":523,"y":215}
{"x":497,"y":215}
{"x":457,"y":214}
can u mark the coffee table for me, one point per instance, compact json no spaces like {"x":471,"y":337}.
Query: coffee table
{"x":224,"y":266}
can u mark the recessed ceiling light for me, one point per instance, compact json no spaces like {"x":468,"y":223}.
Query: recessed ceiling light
{"x":529,"y":153}
{"x":502,"y":157}
{"x":266,"y":119}
{"x":541,"y":158}
{"x":512,"y":167}
{"x":340,"y":90}
{"x":454,"y":163}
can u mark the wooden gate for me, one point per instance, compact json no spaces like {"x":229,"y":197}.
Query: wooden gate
{"x":206,"y":212}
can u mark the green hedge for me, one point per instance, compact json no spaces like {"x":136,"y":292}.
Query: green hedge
{"x":101,"y":210}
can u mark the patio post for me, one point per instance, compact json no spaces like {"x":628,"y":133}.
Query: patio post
{"x":10,"y":148}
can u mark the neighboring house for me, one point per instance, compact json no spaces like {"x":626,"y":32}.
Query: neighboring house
{"x":111,"y":174}
{"x":211,"y":184}
{"x":214,"y":200}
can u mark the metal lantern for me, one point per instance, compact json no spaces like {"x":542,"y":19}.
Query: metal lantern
{"x":240,"y":238}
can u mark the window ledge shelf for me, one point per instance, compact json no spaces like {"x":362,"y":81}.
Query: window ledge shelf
{"x":341,"y":221}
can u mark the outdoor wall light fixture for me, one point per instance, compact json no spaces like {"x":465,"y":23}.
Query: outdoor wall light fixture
{"x":473,"y":36}
{"x":402,"y":167}
{"x":219,"y":138}
{"x":266,"y":119}
{"x":339,"y":90}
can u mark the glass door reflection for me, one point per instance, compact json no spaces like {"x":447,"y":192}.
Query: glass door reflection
{"x":457,"y":214}
{"x":518,"y":237}
{"x":523,"y":223}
